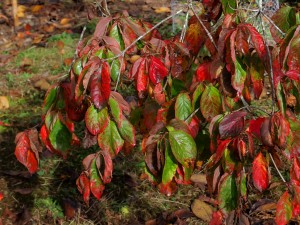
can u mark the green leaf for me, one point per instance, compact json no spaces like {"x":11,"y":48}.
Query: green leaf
{"x":127,"y":131}
{"x":114,"y":66}
{"x":60,"y":136}
{"x":228,"y":194}
{"x":281,"y":99}
{"x":110,"y":140}
{"x":115,"y":110}
{"x":211,"y":102}
{"x":50,"y":99}
{"x":229,"y":161}
{"x":243,"y":184}
{"x":96,"y":183}
{"x":229,"y":6}
{"x":177,"y":87}
{"x":115,"y":33}
{"x":183,"y":147}
{"x":196,"y":96}
{"x":239,"y":77}
{"x":183,"y":106}
{"x":100,"y":53}
{"x":170,"y":166}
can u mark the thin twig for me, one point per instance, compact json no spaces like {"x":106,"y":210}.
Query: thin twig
{"x":271,"y":22}
{"x":76,"y":51}
{"x":203,"y":26}
{"x":270,"y":64}
{"x":183,"y":31}
{"x":119,"y":73}
{"x":282,"y":178}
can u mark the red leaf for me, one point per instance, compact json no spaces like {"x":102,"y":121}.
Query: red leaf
{"x":25,"y":154}
{"x":157,"y":70}
{"x":255,"y":125}
{"x":195,"y":35}
{"x":101,"y":27}
{"x":295,"y":170}
{"x":142,"y":79}
{"x":100,"y":86}
{"x":232,"y":125}
{"x":217,"y":218}
{"x":1,"y":196}
{"x":283,"y":209}
{"x":260,"y":173}
{"x":159,"y":94}
{"x":222,"y":145}
{"x":107,"y":174}
{"x":74,"y":112}
{"x":83,"y":185}
{"x":194,"y":126}
{"x":257,"y":41}
{"x":203,"y":72}
{"x":45,"y":139}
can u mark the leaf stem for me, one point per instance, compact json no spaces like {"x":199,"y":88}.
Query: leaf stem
{"x":282,"y":178}
{"x":119,"y":73}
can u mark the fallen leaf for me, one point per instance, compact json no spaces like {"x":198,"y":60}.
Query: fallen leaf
{"x":65,"y":21}
{"x":49,"y":29}
{"x":202,"y":210}
{"x":70,"y":208}
{"x":1,"y":196}
{"x":26,"y":62}
{"x":199,"y":178}
{"x":4,"y":103}
{"x":68,"y":61}
{"x":163,"y":9}
{"x":42,"y":84}
{"x":36,"y":8}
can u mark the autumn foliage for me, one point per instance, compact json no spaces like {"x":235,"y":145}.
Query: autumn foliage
{"x":189,"y":107}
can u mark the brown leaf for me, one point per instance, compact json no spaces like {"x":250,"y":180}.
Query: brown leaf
{"x":202,"y":210}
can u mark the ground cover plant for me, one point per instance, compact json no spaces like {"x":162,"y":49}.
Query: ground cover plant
{"x":191,"y":99}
